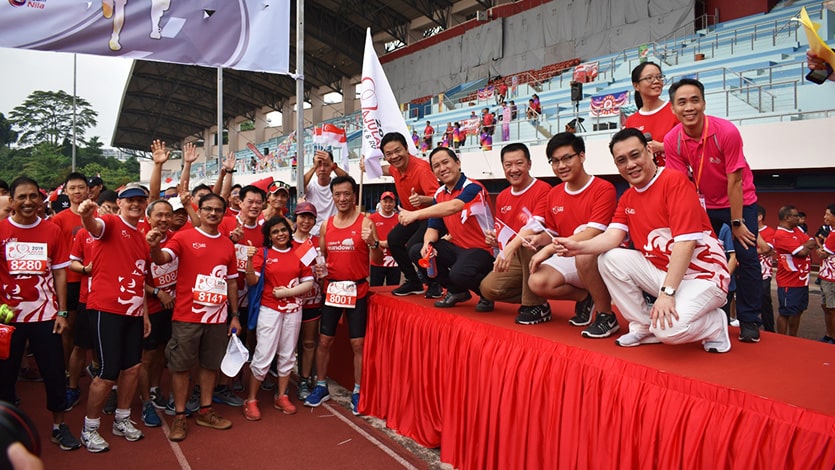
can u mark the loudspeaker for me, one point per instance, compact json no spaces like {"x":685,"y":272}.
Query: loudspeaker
{"x":576,"y":91}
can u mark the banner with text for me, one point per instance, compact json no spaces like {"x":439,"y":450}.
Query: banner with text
{"x":236,"y":34}
{"x":607,"y":105}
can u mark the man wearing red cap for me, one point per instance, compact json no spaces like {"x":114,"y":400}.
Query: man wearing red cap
{"x":385,"y":273}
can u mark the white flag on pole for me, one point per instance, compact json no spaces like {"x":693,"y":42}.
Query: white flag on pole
{"x":380,"y":111}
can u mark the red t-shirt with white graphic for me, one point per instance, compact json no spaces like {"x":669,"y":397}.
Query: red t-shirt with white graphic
{"x":792,"y":271}
{"x":82,"y":249}
{"x":207,"y":263}
{"x":164,"y":278}
{"x":70,"y":223}
{"x":120,"y":262}
{"x":512,"y":207}
{"x":384,"y":225}
{"x":827,"y":271}
{"x":569,"y":212}
{"x":314,"y":297}
{"x":284,"y":269}
{"x":767,"y":262}
{"x":30,"y":253}
{"x":666,"y":211}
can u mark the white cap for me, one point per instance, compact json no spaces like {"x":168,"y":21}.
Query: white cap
{"x":235,"y":358}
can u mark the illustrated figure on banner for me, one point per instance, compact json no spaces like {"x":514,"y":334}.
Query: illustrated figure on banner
{"x":116,"y":9}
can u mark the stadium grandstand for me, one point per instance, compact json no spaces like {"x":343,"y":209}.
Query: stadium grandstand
{"x":445,"y":62}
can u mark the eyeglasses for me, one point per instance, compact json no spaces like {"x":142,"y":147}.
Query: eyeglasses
{"x":565,"y":159}
{"x":216,"y":210}
{"x":652,"y":78}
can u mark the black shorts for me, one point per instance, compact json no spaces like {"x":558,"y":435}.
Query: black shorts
{"x":160,"y":330}
{"x":82,"y":333}
{"x":73,"y":292}
{"x":357,"y":319}
{"x":118,"y":341}
{"x":311,"y":314}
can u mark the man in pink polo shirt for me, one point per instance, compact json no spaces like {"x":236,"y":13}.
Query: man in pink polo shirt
{"x":709,"y":149}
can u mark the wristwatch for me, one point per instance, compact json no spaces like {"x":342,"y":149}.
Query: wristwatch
{"x":156,"y":291}
{"x":667,"y":290}
{"x":375,"y":245}
{"x":738,"y":222}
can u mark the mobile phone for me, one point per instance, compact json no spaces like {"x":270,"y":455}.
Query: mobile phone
{"x":819,"y":76}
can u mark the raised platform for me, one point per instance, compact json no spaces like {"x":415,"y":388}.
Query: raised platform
{"x":493,"y":394}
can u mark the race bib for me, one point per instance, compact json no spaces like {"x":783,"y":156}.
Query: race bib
{"x":26,"y":258}
{"x":209,"y":290}
{"x":165,"y":275}
{"x":240,"y":257}
{"x":341,"y":294}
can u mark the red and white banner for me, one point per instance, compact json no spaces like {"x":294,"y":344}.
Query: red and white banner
{"x":380,"y":111}
{"x":607,"y":105}
{"x":236,"y":34}
{"x":485,"y":93}
{"x":586,"y":72}
{"x":332,"y":136}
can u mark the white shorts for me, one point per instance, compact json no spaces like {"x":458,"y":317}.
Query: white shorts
{"x":565,"y":266}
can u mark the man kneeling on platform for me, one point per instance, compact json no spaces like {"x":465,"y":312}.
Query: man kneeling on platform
{"x":460,"y":208}
{"x":676,"y":257}
{"x":508,"y":282}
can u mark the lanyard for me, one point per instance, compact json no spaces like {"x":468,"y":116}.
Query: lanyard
{"x":704,"y":146}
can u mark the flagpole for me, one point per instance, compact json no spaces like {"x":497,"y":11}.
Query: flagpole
{"x":359,"y":202}
{"x":219,"y":119}
{"x":299,"y":99}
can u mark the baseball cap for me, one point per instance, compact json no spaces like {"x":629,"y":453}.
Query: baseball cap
{"x":133,"y":190}
{"x":305,"y":208}
{"x":387,"y":194}
{"x":95,"y":181}
{"x":60,"y":203}
{"x":176,"y":204}
{"x":276,"y":186}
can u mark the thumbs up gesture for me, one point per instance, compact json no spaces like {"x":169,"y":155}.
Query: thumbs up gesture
{"x":414,"y":198}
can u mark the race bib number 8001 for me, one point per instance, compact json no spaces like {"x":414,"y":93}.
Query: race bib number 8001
{"x":341,"y":294}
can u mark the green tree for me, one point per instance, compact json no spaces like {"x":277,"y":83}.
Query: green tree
{"x":46,"y":165}
{"x":7,"y":135}
{"x":46,"y":116}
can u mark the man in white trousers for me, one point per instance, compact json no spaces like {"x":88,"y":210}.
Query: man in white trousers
{"x":676,"y":257}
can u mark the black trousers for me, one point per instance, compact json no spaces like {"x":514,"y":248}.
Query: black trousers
{"x":459,"y":269}
{"x":400,"y":240}
{"x":49,"y":355}
{"x":384,"y":276}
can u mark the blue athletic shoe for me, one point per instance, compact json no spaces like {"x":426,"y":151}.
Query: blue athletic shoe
{"x":150,"y":416}
{"x":355,"y":403}
{"x":73,"y":397}
{"x":318,"y":396}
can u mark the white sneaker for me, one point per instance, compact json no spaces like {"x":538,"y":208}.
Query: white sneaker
{"x":126,"y":428}
{"x":631,"y":339}
{"x":735,"y":322}
{"x":93,"y":441}
{"x":720,"y":343}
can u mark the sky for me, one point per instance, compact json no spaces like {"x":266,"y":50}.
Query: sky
{"x":100,"y":80}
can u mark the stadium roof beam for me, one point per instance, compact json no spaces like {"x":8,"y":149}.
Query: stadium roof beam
{"x":435,"y":10}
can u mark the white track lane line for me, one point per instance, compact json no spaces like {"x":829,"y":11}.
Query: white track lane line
{"x":175,"y":447}
{"x":371,"y":438}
